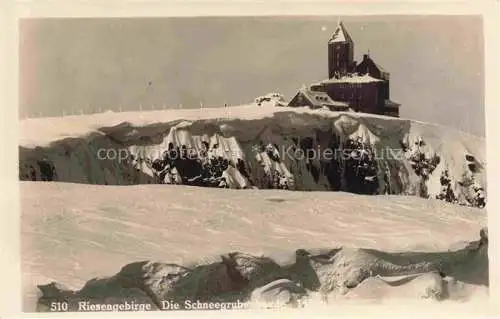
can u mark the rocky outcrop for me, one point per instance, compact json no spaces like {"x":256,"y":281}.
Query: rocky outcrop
{"x":287,"y":150}
{"x":244,"y":278}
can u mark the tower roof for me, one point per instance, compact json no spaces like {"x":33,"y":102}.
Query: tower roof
{"x":340,"y":34}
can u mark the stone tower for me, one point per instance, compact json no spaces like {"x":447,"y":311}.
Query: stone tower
{"x":340,"y":52}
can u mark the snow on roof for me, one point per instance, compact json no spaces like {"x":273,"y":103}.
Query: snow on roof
{"x":317,"y":85}
{"x":316,"y":97}
{"x":339,"y":103}
{"x":389,"y":103}
{"x":320,"y":98}
{"x":352,"y":79}
{"x":340,"y":34}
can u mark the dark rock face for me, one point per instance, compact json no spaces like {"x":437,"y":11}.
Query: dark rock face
{"x":47,"y":170}
{"x":185,"y":166}
{"x":240,"y":277}
{"x":40,"y":170}
{"x":360,"y":168}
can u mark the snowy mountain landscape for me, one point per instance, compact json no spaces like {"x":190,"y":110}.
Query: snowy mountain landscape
{"x":257,"y":203}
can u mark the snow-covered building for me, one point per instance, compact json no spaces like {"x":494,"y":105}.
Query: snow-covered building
{"x":364,"y":87}
{"x":317,"y":99}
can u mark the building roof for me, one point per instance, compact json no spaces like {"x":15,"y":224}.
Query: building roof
{"x":319,"y":99}
{"x":340,"y":34}
{"x":380,"y":68}
{"x":391,"y":104}
{"x":353,"y":78}
{"x":368,"y":60}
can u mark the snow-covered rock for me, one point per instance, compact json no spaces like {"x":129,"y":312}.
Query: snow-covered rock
{"x":245,"y":147}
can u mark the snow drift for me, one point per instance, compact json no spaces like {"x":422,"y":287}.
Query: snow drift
{"x":260,"y":146}
{"x":239,"y":278}
{"x":67,"y":227}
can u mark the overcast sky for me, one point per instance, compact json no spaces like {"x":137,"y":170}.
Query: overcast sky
{"x":436,"y":63}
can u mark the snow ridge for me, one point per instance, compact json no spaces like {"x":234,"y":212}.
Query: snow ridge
{"x":294,"y":149}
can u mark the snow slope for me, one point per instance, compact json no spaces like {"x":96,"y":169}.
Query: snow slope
{"x":74,"y":232}
{"x":258,"y":146}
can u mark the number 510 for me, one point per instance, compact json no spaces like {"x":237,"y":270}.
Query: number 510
{"x":59,"y":306}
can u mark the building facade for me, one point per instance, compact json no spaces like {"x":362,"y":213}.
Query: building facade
{"x":364,"y":87}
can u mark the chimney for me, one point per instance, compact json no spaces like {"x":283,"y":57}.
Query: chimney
{"x":365,"y":57}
